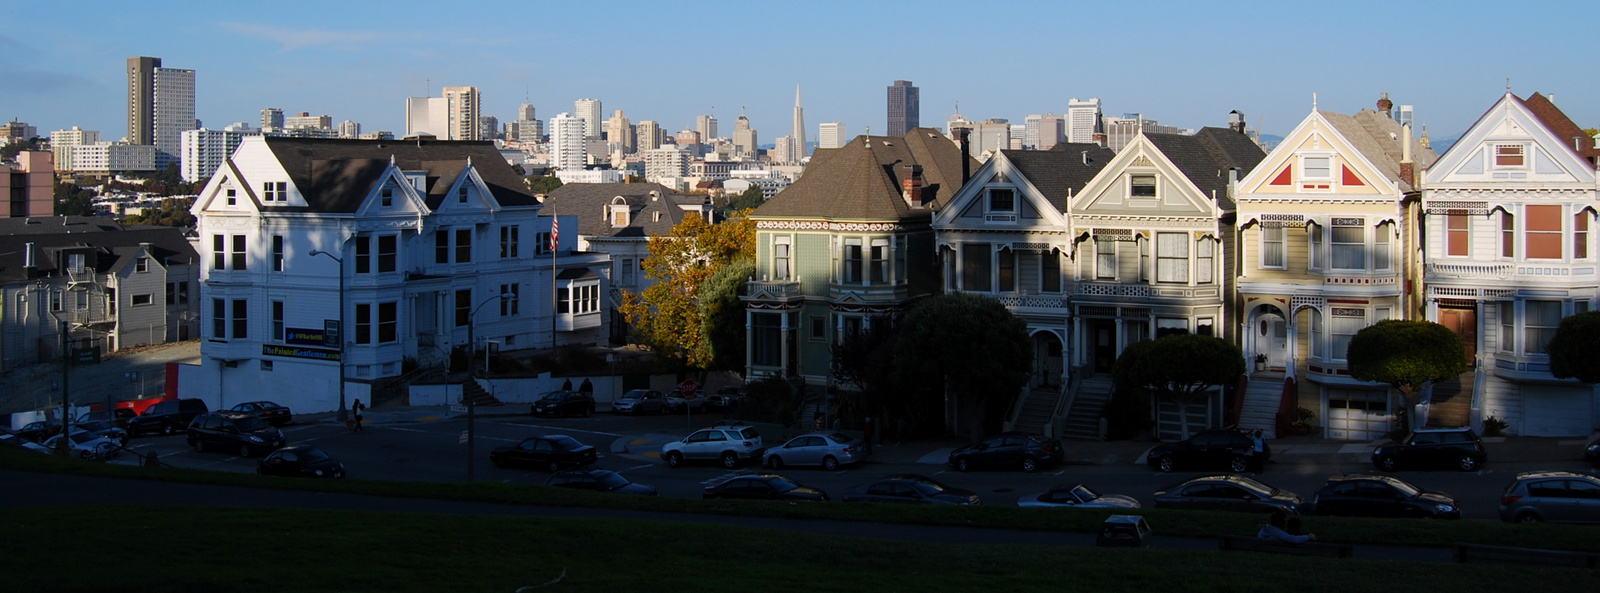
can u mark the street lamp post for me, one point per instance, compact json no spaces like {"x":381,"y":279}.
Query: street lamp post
{"x":343,"y":413}
{"x":472,"y":348}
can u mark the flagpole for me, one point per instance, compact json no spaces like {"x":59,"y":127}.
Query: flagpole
{"x":555,"y":306}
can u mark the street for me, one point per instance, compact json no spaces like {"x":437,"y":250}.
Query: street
{"x":430,"y":450}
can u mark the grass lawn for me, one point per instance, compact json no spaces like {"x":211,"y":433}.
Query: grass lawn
{"x":224,"y":550}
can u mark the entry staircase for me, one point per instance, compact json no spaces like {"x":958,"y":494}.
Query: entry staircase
{"x":1083,"y":420}
{"x":1037,"y":406}
{"x":1261,"y":400}
{"x":473,"y":391}
{"x":1452,"y":402}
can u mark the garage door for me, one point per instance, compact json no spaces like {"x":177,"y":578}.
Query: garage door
{"x":1357,"y":414}
{"x":1552,"y":411}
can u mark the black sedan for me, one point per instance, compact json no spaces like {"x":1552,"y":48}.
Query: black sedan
{"x":105,"y":429}
{"x":40,"y":430}
{"x":300,"y":461}
{"x":598,"y":480}
{"x":1369,"y":495}
{"x":1025,"y":452}
{"x":909,"y":488}
{"x":563,"y":404}
{"x":763,"y":487}
{"x":550,"y":452}
{"x":1220,"y":449}
{"x":1227,"y":493}
{"x":268,"y":412}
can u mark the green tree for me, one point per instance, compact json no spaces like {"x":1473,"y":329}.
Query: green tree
{"x":173,"y":212}
{"x":1575,"y":349}
{"x":10,"y":151}
{"x":1181,"y":368}
{"x":666,"y":316}
{"x":971,"y":345}
{"x":746,"y":200}
{"x":1409,"y":356}
{"x":72,"y":200}
{"x":865,"y":358}
{"x":544,"y":185}
{"x":722,"y":315}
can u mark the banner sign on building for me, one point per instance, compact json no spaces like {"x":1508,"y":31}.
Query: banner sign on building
{"x":304,"y":337}
{"x":298,"y":352}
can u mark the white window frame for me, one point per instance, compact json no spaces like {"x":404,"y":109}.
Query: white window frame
{"x":1105,"y":259}
{"x":1334,"y":246}
{"x":1521,"y":150}
{"x":1168,"y":270}
{"x":1154,"y":185}
{"x":782,"y":252}
{"x":1305,"y":167}
{"x":1317,"y":245}
{"x":1273,"y":233}
{"x":1205,"y":257}
{"x":989,"y":199}
{"x":1383,"y":247}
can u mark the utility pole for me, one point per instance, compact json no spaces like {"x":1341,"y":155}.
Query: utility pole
{"x":63,"y":447}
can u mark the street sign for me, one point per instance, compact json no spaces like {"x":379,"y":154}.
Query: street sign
{"x":688,"y":387}
{"x":330,"y":333}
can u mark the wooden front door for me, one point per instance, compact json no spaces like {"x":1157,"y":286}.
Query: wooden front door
{"x":1103,"y":340}
{"x":1464,"y":322}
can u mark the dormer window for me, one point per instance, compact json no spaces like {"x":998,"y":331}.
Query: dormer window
{"x":619,"y":217}
{"x":1317,"y":167}
{"x":387,"y":196}
{"x":141,"y":264}
{"x":461,"y":195}
{"x":1508,"y":155}
{"x":1142,"y":186}
{"x":275,"y":191}
{"x":232,"y":198}
{"x":1002,"y":200}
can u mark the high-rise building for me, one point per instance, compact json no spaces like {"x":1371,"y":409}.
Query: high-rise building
{"x":1083,"y":120}
{"x":525,"y":112}
{"x":797,"y":134}
{"x":16,"y":130}
{"x":160,"y":107}
{"x":782,"y":150}
{"x":1030,"y":133}
{"x":904,"y":108}
{"x":141,"y":99}
{"x":1048,"y":131}
{"x":63,"y":141}
{"x":588,"y":110}
{"x":272,"y":118}
{"x":619,"y":132}
{"x":427,"y":116}
{"x":204,"y":151}
{"x":831,"y":135}
{"x":567,"y":149}
{"x":649,"y":136}
{"x":462,"y":105}
{"x":27,"y":189}
{"x":744,"y":138}
{"x":666,"y":162}
{"x":707,"y":126}
{"x":488,"y":127}
{"x":689,"y":140}
{"x":349,"y":129}
{"x":306,"y":121}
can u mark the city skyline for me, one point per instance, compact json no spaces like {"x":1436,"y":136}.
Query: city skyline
{"x":1443,"y":60}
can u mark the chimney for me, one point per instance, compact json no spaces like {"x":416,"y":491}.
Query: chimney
{"x":1099,"y":138}
{"x":1408,"y":168}
{"x":1385,"y":105}
{"x":966,"y":160}
{"x":911,"y":184}
{"x":30,"y":256}
{"x":1236,"y":121}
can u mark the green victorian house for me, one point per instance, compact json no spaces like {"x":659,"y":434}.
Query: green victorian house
{"x":849,"y":242}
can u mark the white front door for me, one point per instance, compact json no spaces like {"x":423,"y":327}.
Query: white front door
{"x":1272,"y":339}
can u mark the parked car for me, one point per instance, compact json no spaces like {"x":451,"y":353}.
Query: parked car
{"x":1374,"y":495}
{"x":10,"y":439}
{"x":105,"y":429}
{"x":1221,"y":448}
{"x":1123,"y":531}
{"x":829,"y":450}
{"x":563,"y":404}
{"x":269,"y":412}
{"x":726,"y":398}
{"x":169,"y":416}
{"x":677,"y":401}
{"x":39,"y":430}
{"x":1558,"y":497}
{"x":763,"y":487}
{"x":598,"y":480}
{"x":1459,"y":448}
{"x":300,"y":461}
{"x":118,"y":417}
{"x":1077,"y":496}
{"x":1592,"y":452}
{"x":85,"y":444}
{"x":550,"y":452}
{"x":640,"y":401}
{"x":1227,"y":493}
{"x":1010,"y":450}
{"x":728,"y":443}
{"x":233,"y":431}
{"x":909,"y":488}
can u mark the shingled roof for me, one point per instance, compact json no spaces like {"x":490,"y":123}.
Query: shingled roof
{"x":1379,"y":139}
{"x":1562,"y":126}
{"x":589,"y":202}
{"x":861,"y":182}
{"x":1205,"y":158}
{"x":1062,"y":170}
{"x":113,"y":245}
{"x":335,"y":176}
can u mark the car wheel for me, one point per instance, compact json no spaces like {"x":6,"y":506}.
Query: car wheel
{"x":730,"y":460}
{"x":1030,"y":464}
{"x":1388,"y":463}
{"x":244,"y":451}
{"x":166,"y":429}
{"x":1528,"y":517}
{"x":1239,"y":464}
{"x":674,"y":459}
{"x":1468,"y":463}
{"x":1166,"y":463}
{"x":554,"y":467}
{"x":774,"y":462}
{"x":829,"y":463}
{"x":198,"y":445}
{"x":963,"y":465}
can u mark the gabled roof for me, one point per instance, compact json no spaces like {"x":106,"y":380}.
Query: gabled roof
{"x":589,"y":201}
{"x":1205,"y":158}
{"x":112,"y":246}
{"x":335,"y":176}
{"x":1062,"y":170}
{"x":50,"y":225}
{"x":1379,"y":139}
{"x":1562,"y":126}
{"x":858,"y":182}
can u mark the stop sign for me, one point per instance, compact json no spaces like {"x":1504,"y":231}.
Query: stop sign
{"x":688,"y":387}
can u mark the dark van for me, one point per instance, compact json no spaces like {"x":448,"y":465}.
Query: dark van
{"x":170,"y":416}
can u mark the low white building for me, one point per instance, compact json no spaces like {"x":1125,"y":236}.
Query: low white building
{"x":375,"y":252}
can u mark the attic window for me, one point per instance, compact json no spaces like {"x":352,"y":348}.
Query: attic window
{"x":1002,"y":200}
{"x":388,"y":196}
{"x":275,"y":191}
{"x":1316,"y":167}
{"x":232,"y":200}
{"x":1142,"y":186}
{"x":1508,"y":155}
{"x":461,"y":195}
{"x":141,"y":264}
{"x":619,"y":217}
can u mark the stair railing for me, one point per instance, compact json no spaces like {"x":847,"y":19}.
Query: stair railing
{"x":1237,"y":408}
{"x":1068,"y":394}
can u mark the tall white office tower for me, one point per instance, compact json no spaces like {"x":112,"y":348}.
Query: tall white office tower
{"x":349,"y":129}
{"x":1030,"y":131}
{"x":798,"y":134}
{"x":744,"y":138}
{"x":462,"y":109}
{"x":427,"y":116}
{"x":648,"y":134}
{"x":1083,"y":120}
{"x":831,"y":135}
{"x":587,"y":110}
{"x":782,"y":150}
{"x":567,"y":150}
{"x":707,"y":126}
{"x":525,"y":112}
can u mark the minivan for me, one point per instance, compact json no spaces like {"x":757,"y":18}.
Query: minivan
{"x":166,"y":416}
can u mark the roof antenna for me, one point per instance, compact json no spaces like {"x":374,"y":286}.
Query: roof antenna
{"x":868,"y":136}
{"x":1508,"y":84}
{"x":1313,"y":101}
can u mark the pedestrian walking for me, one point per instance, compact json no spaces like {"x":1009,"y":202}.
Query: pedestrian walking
{"x":566,"y":385}
{"x":586,"y":387}
{"x":355,"y":413}
{"x":1258,"y":451}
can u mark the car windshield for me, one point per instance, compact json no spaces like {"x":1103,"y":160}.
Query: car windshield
{"x":1250,"y":484}
{"x":313,"y":455}
{"x":612,"y":481}
{"x":553,"y":396}
{"x":83,"y":437}
{"x":1405,"y":488}
{"x":782,"y":484}
{"x":95,"y":426}
{"x":840,"y":438}
{"x":268,"y":405}
{"x":566,"y":443}
{"x":249,"y":424}
{"x":633,"y":395}
{"x":1083,"y":493}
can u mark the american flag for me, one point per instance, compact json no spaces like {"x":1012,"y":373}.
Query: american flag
{"x":555,"y":233}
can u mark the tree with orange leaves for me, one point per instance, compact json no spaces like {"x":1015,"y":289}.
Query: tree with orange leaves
{"x":667,"y":316}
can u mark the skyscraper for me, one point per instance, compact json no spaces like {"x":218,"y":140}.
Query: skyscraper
{"x":525,"y":112}
{"x":272,"y":117}
{"x":797,"y":135}
{"x":707,"y":126}
{"x":141,"y":99}
{"x":904,"y":108}
{"x":567,"y":150}
{"x":587,"y":110}
{"x":744,"y":138}
{"x":160,"y":107}
{"x":461,"y":107}
{"x":649,"y":135}
{"x":831,"y":135}
{"x":427,"y":115}
{"x":619,"y":132}
{"x":1083,"y":120}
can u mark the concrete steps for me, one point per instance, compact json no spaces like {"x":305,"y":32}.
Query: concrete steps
{"x":1452,"y":402}
{"x":1261,"y":399}
{"x":1083,"y":420}
{"x":1036,"y":410}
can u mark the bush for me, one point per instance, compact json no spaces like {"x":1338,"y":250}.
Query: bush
{"x":1494,"y":426}
{"x":769,"y":399}
{"x":1127,"y":414}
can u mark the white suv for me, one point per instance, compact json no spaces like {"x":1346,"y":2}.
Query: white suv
{"x":728,"y":443}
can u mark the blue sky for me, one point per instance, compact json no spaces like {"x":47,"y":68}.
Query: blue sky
{"x":1183,"y":63}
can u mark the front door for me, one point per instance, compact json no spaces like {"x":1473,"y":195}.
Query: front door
{"x":1272,"y":339}
{"x":1464,"y":322}
{"x":1103,"y":342}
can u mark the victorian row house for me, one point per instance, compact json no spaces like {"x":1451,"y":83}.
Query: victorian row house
{"x":322,"y":257}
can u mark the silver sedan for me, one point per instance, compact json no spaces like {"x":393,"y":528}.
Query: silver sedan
{"x":827,"y":449}
{"x":1077,"y":496}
